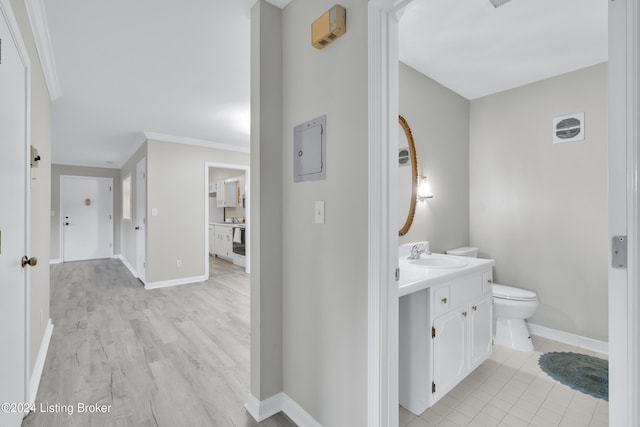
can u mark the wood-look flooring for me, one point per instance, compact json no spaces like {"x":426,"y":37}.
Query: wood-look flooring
{"x":169,"y":357}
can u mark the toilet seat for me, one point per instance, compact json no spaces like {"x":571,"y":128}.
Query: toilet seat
{"x":513,"y":294}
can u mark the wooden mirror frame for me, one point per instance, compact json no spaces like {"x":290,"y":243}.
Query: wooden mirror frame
{"x":414,"y":176}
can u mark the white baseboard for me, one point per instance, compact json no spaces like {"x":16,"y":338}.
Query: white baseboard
{"x":36,"y":375}
{"x":591,"y":344}
{"x":55,"y":261}
{"x":126,"y":264}
{"x":261,"y":410}
{"x":174,"y":282}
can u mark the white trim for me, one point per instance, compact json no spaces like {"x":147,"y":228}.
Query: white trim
{"x":55,"y":261}
{"x":88,"y":165}
{"x":7,"y":10}
{"x":586,"y":343}
{"x":42,"y":38}
{"x":197,"y":142}
{"x":382,"y":363}
{"x":126,"y":264}
{"x":38,"y":367}
{"x":281,"y":402}
{"x":175,"y":282}
{"x":261,"y":410}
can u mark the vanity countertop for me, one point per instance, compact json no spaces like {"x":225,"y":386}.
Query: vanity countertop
{"x":414,"y":278}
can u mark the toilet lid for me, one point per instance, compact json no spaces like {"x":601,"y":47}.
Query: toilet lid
{"x":511,"y":293}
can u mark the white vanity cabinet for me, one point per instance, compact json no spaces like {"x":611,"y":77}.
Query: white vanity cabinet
{"x":223,"y":245}
{"x":445,"y":333}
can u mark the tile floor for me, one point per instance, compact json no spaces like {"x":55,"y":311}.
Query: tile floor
{"x":510,"y":390}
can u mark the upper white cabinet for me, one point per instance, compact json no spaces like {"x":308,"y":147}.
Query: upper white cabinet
{"x":227,"y":194}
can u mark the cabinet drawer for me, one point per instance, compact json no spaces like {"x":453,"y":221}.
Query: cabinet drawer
{"x":441,"y":300}
{"x":465,"y":289}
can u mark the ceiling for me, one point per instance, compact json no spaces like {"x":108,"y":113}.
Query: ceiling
{"x":476,"y":50}
{"x":180,"y":70}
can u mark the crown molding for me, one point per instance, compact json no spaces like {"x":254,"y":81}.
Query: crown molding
{"x":197,"y":142}
{"x":40,"y":29}
{"x":278,"y":3}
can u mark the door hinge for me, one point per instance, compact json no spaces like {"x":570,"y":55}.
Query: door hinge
{"x":433,"y":387}
{"x":397,"y":274}
{"x":619,"y":252}
{"x":109,"y":188}
{"x":433,"y":332}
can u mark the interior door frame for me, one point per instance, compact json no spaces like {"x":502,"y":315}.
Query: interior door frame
{"x":61,"y":225}
{"x":7,"y":11}
{"x":247,"y":230}
{"x":141,"y":206}
{"x":624,"y":330}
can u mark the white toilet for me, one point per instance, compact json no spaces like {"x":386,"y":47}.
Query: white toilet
{"x":511,"y":306}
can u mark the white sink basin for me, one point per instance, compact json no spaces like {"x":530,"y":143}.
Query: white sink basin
{"x":437,"y":261}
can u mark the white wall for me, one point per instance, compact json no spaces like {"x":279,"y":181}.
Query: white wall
{"x":439,"y":121}
{"x":40,"y":189}
{"x":56,"y":172}
{"x":538,"y":209}
{"x":176,"y":189}
{"x":324,"y":287}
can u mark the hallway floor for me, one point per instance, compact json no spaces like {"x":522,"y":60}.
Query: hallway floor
{"x":169,"y":357}
{"x":510,"y":390}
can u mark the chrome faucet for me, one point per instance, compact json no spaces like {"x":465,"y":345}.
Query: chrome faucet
{"x":418,"y":249}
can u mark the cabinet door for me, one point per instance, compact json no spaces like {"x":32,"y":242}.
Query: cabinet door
{"x":230,"y":194}
{"x":212,"y":240}
{"x":481,"y":326}
{"x":220,"y":195}
{"x":450,"y":351}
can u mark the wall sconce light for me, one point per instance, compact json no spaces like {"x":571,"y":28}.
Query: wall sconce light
{"x":424,"y":189}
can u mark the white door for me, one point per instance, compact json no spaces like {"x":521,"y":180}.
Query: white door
{"x":450,"y":350}
{"x":141,"y":218}
{"x":14,"y":220}
{"x":87,"y":217}
{"x":481,"y":326}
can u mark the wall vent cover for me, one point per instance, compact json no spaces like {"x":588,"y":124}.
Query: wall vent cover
{"x":568,"y":128}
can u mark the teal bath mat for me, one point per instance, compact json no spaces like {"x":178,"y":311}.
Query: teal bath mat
{"x":584,"y":373}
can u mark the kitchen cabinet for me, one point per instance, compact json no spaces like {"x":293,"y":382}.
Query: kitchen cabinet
{"x":223,"y":241}
{"x":213,"y":187}
{"x":212,"y":239}
{"x":458,"y":314}
{"x":226,"y":194}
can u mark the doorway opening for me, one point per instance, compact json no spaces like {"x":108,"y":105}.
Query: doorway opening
{"x":227,"y":228}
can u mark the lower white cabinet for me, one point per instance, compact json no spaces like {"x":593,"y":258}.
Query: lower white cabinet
{"x":223,"y":246}
{"x":445,"y":333}
{"x":212,"y":239}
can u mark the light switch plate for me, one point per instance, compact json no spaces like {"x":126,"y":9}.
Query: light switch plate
{"x":319,"y":212}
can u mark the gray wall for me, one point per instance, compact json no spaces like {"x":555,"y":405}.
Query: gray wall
{"x":324,"y":290}
{"x":40,"y":190}
{"x":439,"y":121}
{"x":176,"y":188}
{"x":56,"y":172}
{"x":265,"y":214}
{"x":541,"y":209}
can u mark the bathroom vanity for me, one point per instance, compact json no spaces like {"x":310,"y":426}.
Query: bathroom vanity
{"x":445,"y":324}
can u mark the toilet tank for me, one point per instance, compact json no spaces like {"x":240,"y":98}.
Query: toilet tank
{"x":469,"y":251}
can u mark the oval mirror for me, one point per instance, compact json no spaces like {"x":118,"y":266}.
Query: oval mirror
{"x":407,"y":177}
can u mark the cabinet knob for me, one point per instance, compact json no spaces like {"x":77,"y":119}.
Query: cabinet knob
{"x":444,"y":300}
{"x":475,"y":308}
{"x":464,"y":314}
{"x":489,"y":281}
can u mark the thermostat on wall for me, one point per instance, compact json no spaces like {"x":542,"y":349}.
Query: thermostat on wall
{"x":568,"y":128}
{"x":309,"y":150}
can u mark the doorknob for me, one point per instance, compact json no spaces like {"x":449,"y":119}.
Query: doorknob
{"x":66,"y":223}
{"x":137,"y":228}
{"x":33,"y":261}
